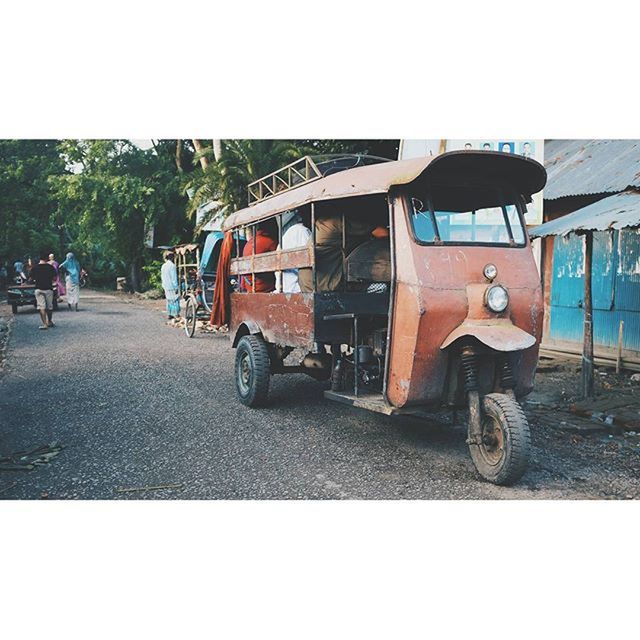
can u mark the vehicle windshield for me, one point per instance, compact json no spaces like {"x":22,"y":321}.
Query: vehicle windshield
{"x":466,"y":215}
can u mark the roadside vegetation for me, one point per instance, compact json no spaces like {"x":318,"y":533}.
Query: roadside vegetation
{"x":102,"y":198}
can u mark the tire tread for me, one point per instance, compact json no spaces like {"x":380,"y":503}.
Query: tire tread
{"x":259,"y":354}
{"x":518,"y":436}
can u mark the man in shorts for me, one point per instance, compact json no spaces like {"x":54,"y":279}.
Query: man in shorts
{"x":43,"y":274}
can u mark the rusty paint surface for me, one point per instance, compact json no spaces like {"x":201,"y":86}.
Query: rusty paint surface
{"x":526,"y":175}
{"x":436,"y":288}
{"x":499,"y":334}
{"x":283,"y":318}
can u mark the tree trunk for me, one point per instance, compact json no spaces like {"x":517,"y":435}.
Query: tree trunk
{"x":217,"y":149}
{"x":587,"y":348}
{"x":134,"y":274}
{"x":179,"y":156}
{"x":199,"y":147}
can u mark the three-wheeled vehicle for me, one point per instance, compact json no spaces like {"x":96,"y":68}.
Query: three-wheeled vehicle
{"x":445,"y":311}
{"x":22,"y":295}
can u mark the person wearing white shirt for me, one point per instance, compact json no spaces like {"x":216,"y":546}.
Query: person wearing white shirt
{"x":294,"y":236}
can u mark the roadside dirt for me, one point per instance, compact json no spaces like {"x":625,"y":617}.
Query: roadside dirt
{"x":616,"y":403}
{"x":6,"y":320}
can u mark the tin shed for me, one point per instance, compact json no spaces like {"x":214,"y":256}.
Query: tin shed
{"x":613,"y":223}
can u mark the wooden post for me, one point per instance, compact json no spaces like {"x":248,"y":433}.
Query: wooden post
{"x":620,"y":335}
{"x":587,"y":348}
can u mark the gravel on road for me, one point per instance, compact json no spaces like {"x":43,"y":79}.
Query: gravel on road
{"x":137,"y":404}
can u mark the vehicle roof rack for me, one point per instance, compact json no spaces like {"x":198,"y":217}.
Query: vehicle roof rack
{"x":293,"y":175}
{"x":303,"y":171}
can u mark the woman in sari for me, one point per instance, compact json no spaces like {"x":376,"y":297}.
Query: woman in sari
{"x":58,"y":281}
{"x":169,"y":276}
{"x":72,"y":268}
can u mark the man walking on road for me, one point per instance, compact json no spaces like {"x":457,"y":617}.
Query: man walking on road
{"x":169,"y":276}
{"x":43,"y":274}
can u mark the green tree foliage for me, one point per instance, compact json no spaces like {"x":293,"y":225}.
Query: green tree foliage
{"x":115,"y":193}
{"x":243,"y":161}
{"x":98,"y":198}
{"x":27,"y":225}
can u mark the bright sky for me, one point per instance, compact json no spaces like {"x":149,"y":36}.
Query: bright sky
{"x":143,"y":144}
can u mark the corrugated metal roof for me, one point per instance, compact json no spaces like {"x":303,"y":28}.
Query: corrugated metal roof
{"x":528,"y":176}
{"x":584,"y":167}
{"x":615,"y":212}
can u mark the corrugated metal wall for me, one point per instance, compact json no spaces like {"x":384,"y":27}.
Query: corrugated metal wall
{"x":616,"y":288}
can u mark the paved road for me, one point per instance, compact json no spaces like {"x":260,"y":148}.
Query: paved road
{"x":135,"y":403}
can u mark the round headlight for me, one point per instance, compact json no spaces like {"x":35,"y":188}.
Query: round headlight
{"x":497,"y":298}
{"x":490,"y":271}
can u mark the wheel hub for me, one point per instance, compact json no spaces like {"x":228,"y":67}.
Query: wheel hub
{"x":492,"y":441}
{"x":245,"y":372}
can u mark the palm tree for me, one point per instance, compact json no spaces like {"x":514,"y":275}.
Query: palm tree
{"x":238,"y":163}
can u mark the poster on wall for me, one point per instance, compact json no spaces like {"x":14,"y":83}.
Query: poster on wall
{"x":533,"y":149}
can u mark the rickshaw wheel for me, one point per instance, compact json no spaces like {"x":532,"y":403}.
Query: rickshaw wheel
{"x":253,"y":371}
{"x":190,"y":317}
{"x":503,"y":456}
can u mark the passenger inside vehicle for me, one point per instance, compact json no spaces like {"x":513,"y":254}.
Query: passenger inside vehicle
{"x":295,"y":235}
{"x":266,"y":239}
{"x":365,"y":219}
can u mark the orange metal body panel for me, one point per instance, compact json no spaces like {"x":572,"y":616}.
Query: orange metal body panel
{"x":437,"y":289}
{"x":283,"y":318}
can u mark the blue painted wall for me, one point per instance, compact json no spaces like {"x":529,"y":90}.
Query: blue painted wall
{"x":615,"y":283}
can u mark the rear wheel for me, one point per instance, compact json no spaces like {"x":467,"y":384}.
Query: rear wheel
{"x":190,"y":317}
{"x":503,"y":455}
{"x":253,"y":371}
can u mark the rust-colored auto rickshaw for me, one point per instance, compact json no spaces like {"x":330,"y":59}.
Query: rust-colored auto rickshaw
{"x":444,"y":310}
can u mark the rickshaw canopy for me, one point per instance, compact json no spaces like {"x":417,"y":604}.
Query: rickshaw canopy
{"x":525,"y":175}
{"x":183,"y":249}
{"x":209,"y":245}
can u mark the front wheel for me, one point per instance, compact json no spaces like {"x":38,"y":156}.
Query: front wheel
{"x":503,"y":455}
{"x":190,"y":317}
{"x":253,"y":371}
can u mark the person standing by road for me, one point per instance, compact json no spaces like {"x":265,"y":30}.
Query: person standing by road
{"x":18,"y":270}
{"x":72,"y":268}
{"x":43,"y":274}
{"x":58,"y":282}
{"x":169,"y":276}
